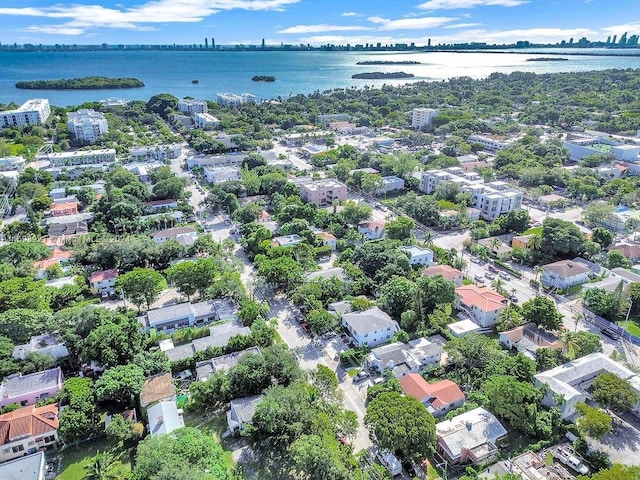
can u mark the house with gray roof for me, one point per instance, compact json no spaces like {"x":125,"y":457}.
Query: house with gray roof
{"x":470,"y":437}
{"x":571,"y":382}
{"x":369,"y":328}
{"x":219,"y":336}
{"x":164,"y":417}
{"x":46,"y":344}
{"x":241,"y":412}
{"x":222,"y":363}
{"x":30,"y":389}
{"x":565,"y":274}
{"x":402,"y":358}
{"x":182,"y":315}
{"x":29,"y":467}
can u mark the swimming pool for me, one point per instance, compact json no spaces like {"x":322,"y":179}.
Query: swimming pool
{"x":621,"y":209}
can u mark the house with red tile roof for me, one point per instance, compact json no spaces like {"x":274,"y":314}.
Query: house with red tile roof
{"x":439,"y":398}
{"x":104,"y":281}
{"x":452,"y":274}
{"x":62,"y":209}
{"x":28,"y":430}
{"x":632,"y":252}
{"x":373,"y":230}
{"x":482,"y":304}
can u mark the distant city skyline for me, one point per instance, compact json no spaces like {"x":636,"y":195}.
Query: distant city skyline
{"x":315,"y":22}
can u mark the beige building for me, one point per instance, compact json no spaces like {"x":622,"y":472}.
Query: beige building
{"x":323,"y":192}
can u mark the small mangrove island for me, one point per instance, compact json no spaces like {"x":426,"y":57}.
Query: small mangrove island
{"x":382,"y":75}
{"x":388,"y":62}
{"x":85,"y":83}
{"x":263,"y":78}
{"x":547,"y":59}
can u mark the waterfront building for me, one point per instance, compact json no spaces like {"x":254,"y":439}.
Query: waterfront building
{"x":31,"y":112}
{"x":233,"y":100}
{"x":87,"y":125}
{"x":205,"y":120}
{"x":423,"y":117}
{"x":192,"y":106}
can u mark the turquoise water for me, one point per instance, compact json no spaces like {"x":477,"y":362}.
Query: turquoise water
{"x":621,"y":209}
{"x":295,"y":72}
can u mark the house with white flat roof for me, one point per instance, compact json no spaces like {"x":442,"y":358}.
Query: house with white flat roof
{"x":419,"y":255}
{"x":571,"y":381}
{"x":370,"y":327}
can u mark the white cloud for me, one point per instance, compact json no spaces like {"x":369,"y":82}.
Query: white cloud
{"x":411,"y":23}
{"x":350,"y":14}
{"x":455,"y":4}
{"x":463,"y":25}
{"x":81,"y":18}
{"x":620,"y":29}
{"x":322,"y":28}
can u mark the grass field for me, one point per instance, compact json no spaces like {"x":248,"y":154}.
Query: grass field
{"x":632,"y":327}
{"x":533,"y":231}
{"x":76,"y":458}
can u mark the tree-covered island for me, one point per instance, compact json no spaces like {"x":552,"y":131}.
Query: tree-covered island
{"x":85,"y":83}
{"x":382,"y":75}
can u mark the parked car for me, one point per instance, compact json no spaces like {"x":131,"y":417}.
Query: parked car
{"x":476,"y":260}
{"x":505,"y":276}
{"x":478,"y":278}
{"x":610,"y":333}
{"x":492,"y":268}
{"x":360,"y":376}
{"x":489,"y":276}
{"x":514,"y":299}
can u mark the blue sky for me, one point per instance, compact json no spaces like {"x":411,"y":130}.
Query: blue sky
{"x":313,"y":21}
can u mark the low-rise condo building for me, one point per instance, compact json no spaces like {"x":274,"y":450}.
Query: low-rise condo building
{"x":86,"y":125}
{"x":30,"y":112}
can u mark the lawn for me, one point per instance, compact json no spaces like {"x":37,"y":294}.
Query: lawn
{"x":74,"y":459}
{"x":533,"y":231}
{"x":632,"y":327}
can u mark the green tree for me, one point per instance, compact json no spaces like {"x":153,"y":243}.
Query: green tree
{"x":190,"y":277}
{"x":353,"y":213}
{"x":326,"y":382}
{"x":593,"y":422}
{"x":616,"y":259}
{"x":282,"y":272}
{"x":400,"y":229}
{"x":121,"y":429}
{"x":120,"y":384}
{"x":561,"y":239}
{"x":602,"y":236}
{"x":141,"y":286}
{"x":186,"y":454}
{"x":397,"y":295}
{"x":613,"y":392}
{"x":102,"y":467}
{"x":321,"y":320}
{"x":433,"y":291}
{"x":162,"y":104}
{"x":615,"y":472}
{"x":543,"y":312}
{"x":401,"y":425}
{"x":320,"y":457}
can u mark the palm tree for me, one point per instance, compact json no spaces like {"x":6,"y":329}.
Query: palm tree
{"x":102,"y":467}
{"x":535,"y":242}
{"x":495,"y":244}
{"x":498,"y":286}
{"x":509,"y":318}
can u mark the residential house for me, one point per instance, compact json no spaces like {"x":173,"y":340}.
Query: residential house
{"x":328,"y":240}
{"x":521,"y":241}
{"x":222,"y":174}
{"x":500,"y":250}
{"x":184,"y":235}
{"x":222,"y":363}
{"x":632,"y":252}
{"x":29,"y":467}
{"x":564,"y":274}
{"x":30,"y":389}
{"x":241,"y":413}
{"x":419,"y":255}
{"x":370,"y":327}
{"x":482,"y":304}
{"x":323,"y":192}
{"x":340,"y":308}
{"x":264,"y":217}
{"x":160,"y":205}
{"x":287,"y":240}
{"x":528,"y":338}
{"x":390,"y":184}
{"x":64,"y":208}
{"x":157,"y":388}
{"x":402,"y":358}
{"x":439,"y":398}
{"x":164,"y":417}
{"x":469,"y":438}
{"x":142,"y":170}
{"x":463,"y":327}
{"x":452,"y":274}
{"x":27,"y":430}
{"x":327,"y":273}
{"x":158,"y":398}
{"x":373,"y":230}
{"x":104,"y":281}
{"x":571,"y":382}
{"x":188,"y":314}
{"x":219,"y":336}
{"x":47,"y":344}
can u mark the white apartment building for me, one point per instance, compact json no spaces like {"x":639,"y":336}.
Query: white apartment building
{"x":222,"y":174}
{"x":8,"y":164}
{"x":192,"y":106}
{"x":233,"y":100}
{"x":491,"y":143}
{"x":154,"y":153}
{"x":31,"y":112}
{"x":390,"y":184}
{"x":422,"y":117}
{"x":492,"y":199}
{"x":87,"y":125}
{"x":82,"y":157}
{"x":205,"y":120}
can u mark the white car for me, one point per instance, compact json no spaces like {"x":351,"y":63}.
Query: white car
{"x":505,"y":276}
